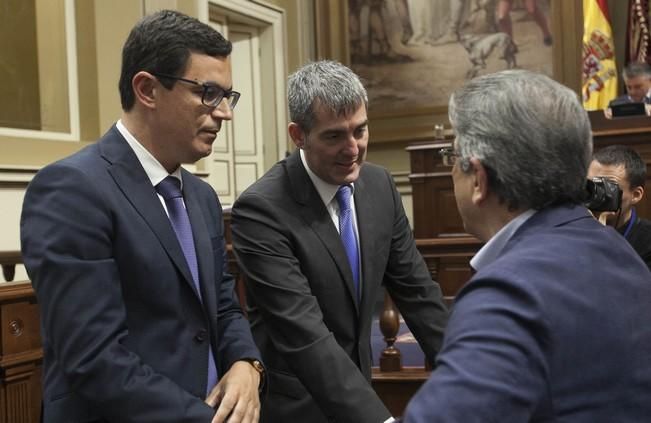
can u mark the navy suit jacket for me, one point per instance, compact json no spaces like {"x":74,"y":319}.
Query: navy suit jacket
{"x":556,"y":329}
{"x":313,"y":333}
{"x":125,"y":335}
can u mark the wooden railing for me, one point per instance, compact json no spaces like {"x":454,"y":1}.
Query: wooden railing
{"x":21,"y":354}
{"x":447,"y":261}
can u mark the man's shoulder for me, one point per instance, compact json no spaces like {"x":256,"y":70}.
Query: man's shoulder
{"x":271,"y":181}
{"x":85,"y":161}
{"x":369,"y":168}
{"x":375,"y":176}
{"x":89,"y":158}
{"x":550,"y":239}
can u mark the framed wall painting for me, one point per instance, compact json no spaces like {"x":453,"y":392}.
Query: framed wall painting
{"x":412,"y":54}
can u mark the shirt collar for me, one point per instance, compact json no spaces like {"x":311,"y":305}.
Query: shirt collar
{"x":326,"y":191}
{"x":154,"y":170}
{"x":491,"y":251}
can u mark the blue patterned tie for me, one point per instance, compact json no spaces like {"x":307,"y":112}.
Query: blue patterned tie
{"x":170,"y":189}
{"x":347,"y":232}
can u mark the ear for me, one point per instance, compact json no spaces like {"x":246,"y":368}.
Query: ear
{"x":296,"y":134}
{"x":144,"y":89}
{"x":636,"y":195}
{"x":480,"y":182}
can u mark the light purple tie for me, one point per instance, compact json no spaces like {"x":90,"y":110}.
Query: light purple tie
{"x":170,"y":189}
{"x":347,"y":232}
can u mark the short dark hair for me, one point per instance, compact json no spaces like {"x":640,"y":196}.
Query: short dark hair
{"x":619,"y":155}
{"x":162,"y":43}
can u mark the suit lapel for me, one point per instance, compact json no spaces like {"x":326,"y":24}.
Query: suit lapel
{"x":315,"y":215}
{"x":202,"y":244}
{"x":365,"y":221}
{"x":131,"y":178}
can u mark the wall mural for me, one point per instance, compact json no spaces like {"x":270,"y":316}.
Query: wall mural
{"x":413,"y":53}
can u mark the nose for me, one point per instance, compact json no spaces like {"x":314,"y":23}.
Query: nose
{"x":352,"y":146}
{"x":222,"y":111}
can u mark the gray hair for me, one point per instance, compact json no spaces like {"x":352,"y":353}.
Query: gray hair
{"x":530,"y":132}
{"x":635,"y":69}
{"x":325,"y":83}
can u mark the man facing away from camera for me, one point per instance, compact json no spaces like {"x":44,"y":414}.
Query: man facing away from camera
{"x":555,"y":324}
{"x":316,"y":237}
{"x":624,"y":166}
{"x":125,"y":250}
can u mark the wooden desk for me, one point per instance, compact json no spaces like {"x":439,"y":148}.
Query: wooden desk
{"x":632,"y":130}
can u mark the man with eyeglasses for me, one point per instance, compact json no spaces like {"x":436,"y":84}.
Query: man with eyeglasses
{"x":554,"y":326}
{"x":125,"y":250}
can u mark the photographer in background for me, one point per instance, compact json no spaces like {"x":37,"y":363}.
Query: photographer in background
{"x":624,"y":166}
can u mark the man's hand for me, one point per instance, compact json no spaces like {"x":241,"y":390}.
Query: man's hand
{"x":237,"y":396}
{"x":602,"y":217}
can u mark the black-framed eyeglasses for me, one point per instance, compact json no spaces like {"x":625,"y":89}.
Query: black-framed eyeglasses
{"x":212,"y":93}
{"x":449,"y":156}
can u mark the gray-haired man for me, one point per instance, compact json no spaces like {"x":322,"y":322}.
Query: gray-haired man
{"x":555,"y":324}
{"x":316,"y":237}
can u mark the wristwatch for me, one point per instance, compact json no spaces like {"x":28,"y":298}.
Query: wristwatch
{"x":258,"y":368}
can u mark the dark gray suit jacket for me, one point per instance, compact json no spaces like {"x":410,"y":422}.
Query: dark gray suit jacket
{"x":313,"y":334}
{"x":125,"y":335}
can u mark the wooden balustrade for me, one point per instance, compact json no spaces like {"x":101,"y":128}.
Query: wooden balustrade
{"x":8,"y":261}
{"x":390,"y":358}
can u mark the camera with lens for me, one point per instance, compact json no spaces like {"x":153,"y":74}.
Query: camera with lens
{"x":603,"y":194}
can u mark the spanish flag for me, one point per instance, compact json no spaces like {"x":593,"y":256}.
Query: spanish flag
{"x":599,"y":70}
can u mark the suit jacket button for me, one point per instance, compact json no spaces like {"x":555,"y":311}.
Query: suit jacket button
{"x":200,"y":336}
